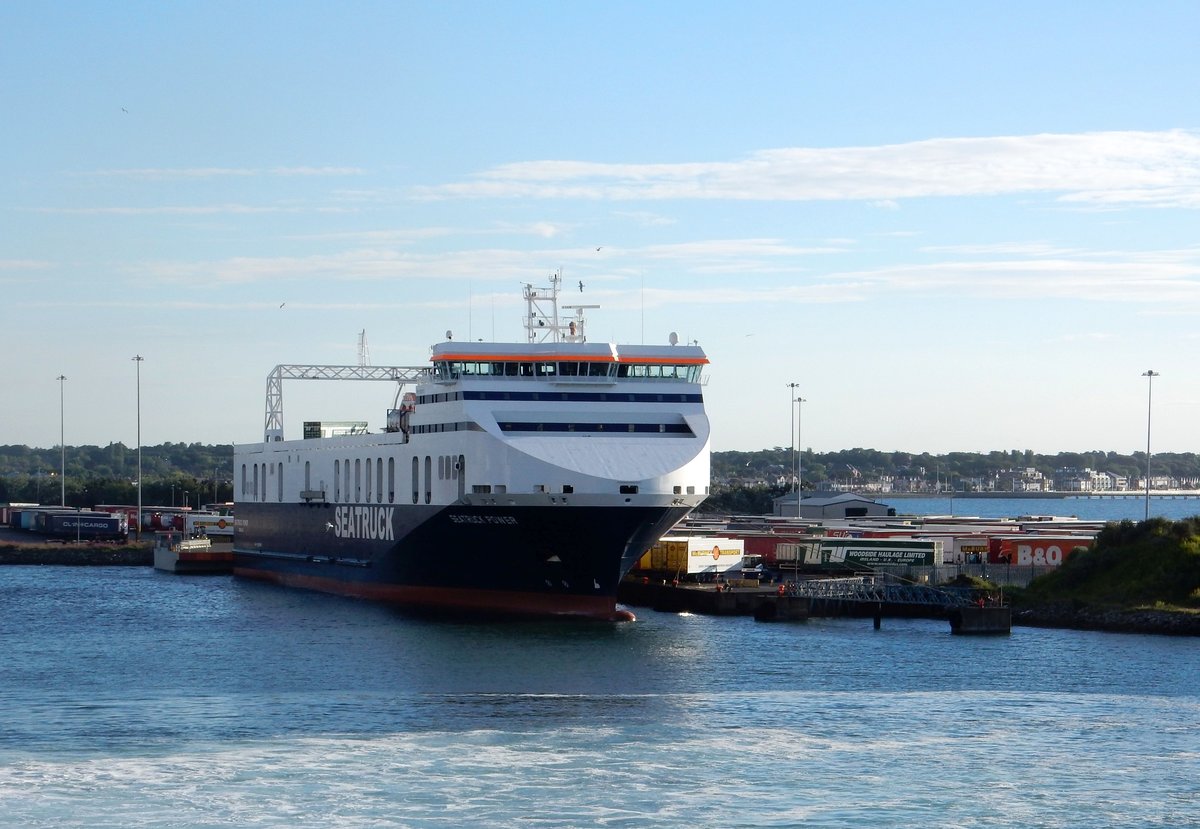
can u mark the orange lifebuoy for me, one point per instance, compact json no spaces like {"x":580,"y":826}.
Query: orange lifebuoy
{"x":716,"y":553}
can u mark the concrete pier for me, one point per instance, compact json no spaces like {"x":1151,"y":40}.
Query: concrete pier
{"x":981,"y":621}
{"x":763,"y":603}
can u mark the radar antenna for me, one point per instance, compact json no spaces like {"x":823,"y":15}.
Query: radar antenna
{"x":542,"y":320}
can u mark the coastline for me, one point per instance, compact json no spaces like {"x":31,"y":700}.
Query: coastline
{"x":1060,"y":614}
{"x":1073,"y":616}
{"x":77,"y":555}
{"x":1056,"y":495}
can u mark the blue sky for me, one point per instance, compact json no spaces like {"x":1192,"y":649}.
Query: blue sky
{"x":957,"y":226}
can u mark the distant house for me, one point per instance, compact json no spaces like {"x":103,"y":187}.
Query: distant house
{"x":1082,"y":480}
{"x":842,"y":505}
{"x":1021,"y":480}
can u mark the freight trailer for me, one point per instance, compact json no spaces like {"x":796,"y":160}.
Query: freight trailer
{"x":7,"y":510}
{"x":857,"y":554}
{"x":208,"y":523}
{"x":961,"y":549}
{"x":86,"y":526}
{"x":1034,"y":550}
{"x":694,"y":555}
{"x":22,"y":519}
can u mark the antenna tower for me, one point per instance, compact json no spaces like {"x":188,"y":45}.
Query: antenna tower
{"x":364,"y":353}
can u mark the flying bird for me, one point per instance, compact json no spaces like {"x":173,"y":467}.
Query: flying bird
{"x":282,"y":304}
{"x":581,"y":286}
{"x":600,"y":247}
{"x":123,"y":109}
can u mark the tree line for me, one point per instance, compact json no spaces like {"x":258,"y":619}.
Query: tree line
{"x":172,"y":473}
{"x":108,"y":474}
{"x":846,"y":464}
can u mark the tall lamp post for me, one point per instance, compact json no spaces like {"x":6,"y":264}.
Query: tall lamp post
{"x":1149,"y":374}
{"x":62,"y":445}
{"x":138,"y":362}
{"x":792,"y":436}
{"x":800,"y":401}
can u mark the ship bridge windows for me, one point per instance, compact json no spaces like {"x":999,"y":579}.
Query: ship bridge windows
{"x":659,"y":371}
{"x":449,"y":371}
{"x":571,"y":368}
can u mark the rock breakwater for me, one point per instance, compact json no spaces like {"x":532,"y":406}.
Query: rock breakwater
{"x":1114,"y":620}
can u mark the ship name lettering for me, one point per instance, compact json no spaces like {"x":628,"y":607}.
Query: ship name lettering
{"x":374,"y":523}
{"x":506,"y":520}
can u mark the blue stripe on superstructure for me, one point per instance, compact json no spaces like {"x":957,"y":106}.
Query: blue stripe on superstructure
{"x":615,"y":429}
{"x":564,"y":396}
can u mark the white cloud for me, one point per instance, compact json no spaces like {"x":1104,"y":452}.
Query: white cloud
{"x":646,"y":218}
{"x":171,"y":173}
{"x":182,"y":210}
{"x":749,"y":270}
{"x":1093,"y":169}
{"x":23,"y":264}
{"x":1012,"y":249}
{"x":1115,"y":280}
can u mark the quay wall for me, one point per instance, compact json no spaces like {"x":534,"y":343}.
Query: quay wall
{"x":77,"y":555}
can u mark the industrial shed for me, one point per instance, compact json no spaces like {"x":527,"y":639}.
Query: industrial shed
{"x":842,"y":505}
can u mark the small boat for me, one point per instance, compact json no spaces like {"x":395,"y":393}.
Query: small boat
{"x":175,"y":554}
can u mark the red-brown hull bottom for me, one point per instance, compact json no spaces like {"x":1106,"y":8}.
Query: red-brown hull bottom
{"x":457,"y":600}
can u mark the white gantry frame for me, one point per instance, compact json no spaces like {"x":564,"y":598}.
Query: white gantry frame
{"x":273,"y":430}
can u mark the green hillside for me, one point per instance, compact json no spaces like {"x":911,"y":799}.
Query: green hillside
{"x":1154,"y":564}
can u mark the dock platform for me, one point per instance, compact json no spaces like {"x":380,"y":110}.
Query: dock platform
{"x":175,"y":554}
{"x":764,"y":602}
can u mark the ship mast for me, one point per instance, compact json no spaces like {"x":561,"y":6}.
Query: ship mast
{"x":542,"y":320}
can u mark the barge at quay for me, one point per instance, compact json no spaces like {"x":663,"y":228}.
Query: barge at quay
{"x":511,"y":478}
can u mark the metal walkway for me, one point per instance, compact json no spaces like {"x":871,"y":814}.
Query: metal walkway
{"x":870,"y":590}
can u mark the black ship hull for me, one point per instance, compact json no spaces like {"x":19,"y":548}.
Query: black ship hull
{"x":523,"y":560}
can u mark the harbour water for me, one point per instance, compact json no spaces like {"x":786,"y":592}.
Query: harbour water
{"x":135,"y":699}
{"x":1090,"y":508}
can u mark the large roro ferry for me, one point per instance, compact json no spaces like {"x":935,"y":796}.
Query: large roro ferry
{"x":511,"y":478}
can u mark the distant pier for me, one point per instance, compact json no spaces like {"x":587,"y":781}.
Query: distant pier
{"x":796,"y":601}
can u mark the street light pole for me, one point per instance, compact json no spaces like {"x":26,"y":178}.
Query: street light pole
{"x":62,"y":445}
{"x":792,"y":436}
{"x":800,"y":401}
{"x":138,"y":362}
{"x":1149,"y":374}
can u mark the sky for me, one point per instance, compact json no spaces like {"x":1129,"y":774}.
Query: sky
{"x":953,"y":226}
